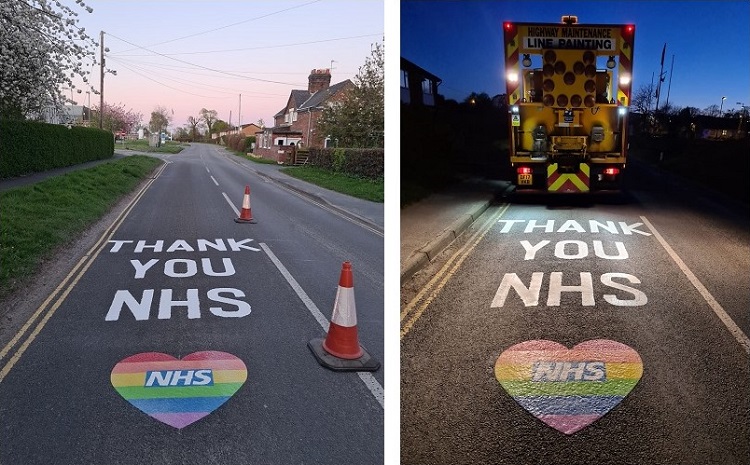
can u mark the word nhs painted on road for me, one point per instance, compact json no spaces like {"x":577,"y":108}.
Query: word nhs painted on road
{"x":568,"y":371}
{"x":166,"y":378}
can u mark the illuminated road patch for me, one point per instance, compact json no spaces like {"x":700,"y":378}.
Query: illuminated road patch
{"x":568,"y":389}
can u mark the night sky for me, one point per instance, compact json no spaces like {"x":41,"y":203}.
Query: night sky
{"x":461,"y":42}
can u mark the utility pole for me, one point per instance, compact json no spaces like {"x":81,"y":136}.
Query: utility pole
{"x":669,"y":88}
{"x":661,"y":77}
{"x":239,"y":117}
{"x":101,"y":82}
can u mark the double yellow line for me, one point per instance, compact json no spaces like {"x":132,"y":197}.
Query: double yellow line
{"x":414,"y":309}
{"x":45,"y":311}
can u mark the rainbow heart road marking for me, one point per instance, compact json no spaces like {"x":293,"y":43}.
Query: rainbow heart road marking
{"x":569,"y":389}
{"x":178,"y":392}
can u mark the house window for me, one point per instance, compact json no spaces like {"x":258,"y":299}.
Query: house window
{"x":427,"y":86}
{"x":404,"y":79}
{"x":294,"y":115}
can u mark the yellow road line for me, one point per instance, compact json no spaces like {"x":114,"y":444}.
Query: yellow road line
{"x":445,"y":273}
{"x":78,"y":272}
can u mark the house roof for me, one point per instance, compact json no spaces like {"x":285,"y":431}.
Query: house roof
{"x":321,"y":96}
{"x":409,"y":66}
{"x":304,"y":100}
{"x":297,"y":97}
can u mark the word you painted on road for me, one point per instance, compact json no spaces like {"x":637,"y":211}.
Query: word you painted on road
{"x":226,"y":302}
{"x":623,"y":285}
{"x":568,"y":389}
{"x":178,"y":392}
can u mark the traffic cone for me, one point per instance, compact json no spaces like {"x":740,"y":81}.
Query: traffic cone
{"x":340,"y":350}
{"x":246,"y":216}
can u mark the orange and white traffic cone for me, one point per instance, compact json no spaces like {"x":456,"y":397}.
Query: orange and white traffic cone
{"x":246,"y":215}
{"x":340,"y":350}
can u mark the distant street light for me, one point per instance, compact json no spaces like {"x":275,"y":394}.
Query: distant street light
{"x":722,"y":106}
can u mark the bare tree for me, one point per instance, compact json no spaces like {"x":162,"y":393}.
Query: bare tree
{"x":643,"y":98}
{"x":711,"y":110}
{"x":208,"y":117}
{"x":194,"y":123}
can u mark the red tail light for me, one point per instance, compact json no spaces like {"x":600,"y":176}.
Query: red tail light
{"x":611,"y":171}
{"x":523,"y":170}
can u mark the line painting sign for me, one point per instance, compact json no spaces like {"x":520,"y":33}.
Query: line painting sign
{"x":568,"y":389}
{"x":178,"y":392}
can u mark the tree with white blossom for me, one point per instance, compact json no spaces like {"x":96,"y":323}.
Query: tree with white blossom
{"x":42,"y":51}
{"x":359,"y":118}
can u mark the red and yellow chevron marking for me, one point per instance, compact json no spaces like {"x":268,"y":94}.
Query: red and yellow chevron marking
{"x":511,"y":61}
{"x":625,"y":68}
{"x":568,"y":182}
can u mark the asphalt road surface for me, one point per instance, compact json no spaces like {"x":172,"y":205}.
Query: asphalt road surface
{"x":562,"y":331}
{"x":216,"y":317}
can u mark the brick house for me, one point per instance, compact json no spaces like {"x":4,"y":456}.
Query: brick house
{"x":247,"y":131}
{"x":295,"y":125}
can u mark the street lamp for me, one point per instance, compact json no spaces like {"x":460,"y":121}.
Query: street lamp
{"x":722,"y":106}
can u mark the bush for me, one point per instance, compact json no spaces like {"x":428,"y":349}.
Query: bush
{"x":365,"y":163}
{"x":29,"y":146}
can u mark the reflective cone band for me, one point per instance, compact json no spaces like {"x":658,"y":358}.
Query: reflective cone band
{"x":342,"y":340}
{"x":246,"y":215}
{"x":340,"y":350}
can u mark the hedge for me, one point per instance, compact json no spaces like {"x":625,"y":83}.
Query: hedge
{"x":29,"y":146}
{"x":365,"y":163}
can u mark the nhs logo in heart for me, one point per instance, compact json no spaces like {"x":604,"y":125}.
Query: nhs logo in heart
{"x":178,"y":392}
{"x":569,"y":389}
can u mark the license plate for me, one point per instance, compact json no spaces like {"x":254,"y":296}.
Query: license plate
{"x":524,"y":179}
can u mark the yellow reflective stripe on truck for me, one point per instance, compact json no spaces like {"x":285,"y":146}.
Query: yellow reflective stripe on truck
{"x":568,"y":182}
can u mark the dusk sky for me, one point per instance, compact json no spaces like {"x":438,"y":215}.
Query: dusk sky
{"x":186,"y":55}
{"x":462,"y":43}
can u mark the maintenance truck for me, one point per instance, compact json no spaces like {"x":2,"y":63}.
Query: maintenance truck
{"x":568,"y":89}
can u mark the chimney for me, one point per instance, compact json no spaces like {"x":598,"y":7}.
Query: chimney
{"x":319,"y":79}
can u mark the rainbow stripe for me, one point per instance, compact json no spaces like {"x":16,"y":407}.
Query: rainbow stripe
{"x":569,"y":389}
{"x":206,"y":381}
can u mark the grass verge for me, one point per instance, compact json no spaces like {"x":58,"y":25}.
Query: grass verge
{"x":366,"y":189}
{"x":38,"y":219}
{"x":142,"y":146}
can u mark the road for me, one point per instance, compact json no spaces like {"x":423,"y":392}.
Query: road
{"x":566,"y":331}
{"x":217,"y":314}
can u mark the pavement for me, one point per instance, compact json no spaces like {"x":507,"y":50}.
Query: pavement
{"x":433,"y":223}
{"x":370,"y":213}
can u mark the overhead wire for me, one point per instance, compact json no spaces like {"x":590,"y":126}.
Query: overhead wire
{"x":129,"y":64}
{"x":204,"y":67}
{"x":232,"y":25}
{"x":264,"y":47}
